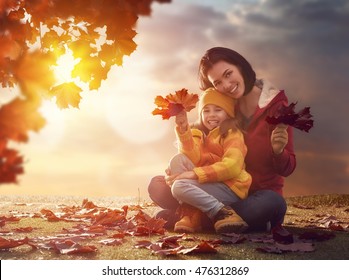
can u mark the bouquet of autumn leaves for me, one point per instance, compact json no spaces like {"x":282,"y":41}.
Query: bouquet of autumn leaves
{"x":172,"y":104}
{"x":301,"y":120}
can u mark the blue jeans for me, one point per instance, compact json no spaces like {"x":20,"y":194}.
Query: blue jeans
{"x":210,"y":197}
{"x":257,"y":209}
{"x":261,"y":207}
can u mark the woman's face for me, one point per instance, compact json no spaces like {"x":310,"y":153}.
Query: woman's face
{"x":212,"y":116}
{"x":227,"y":79}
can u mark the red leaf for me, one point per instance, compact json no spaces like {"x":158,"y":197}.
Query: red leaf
{"x":23,"y":229}
{"x":286,"y":114}
{"x":173,"y":104}
{"x":50,"y":216}
{"x":70,"y":247}
{"x":111,"y":241}
{"x":315,"y":236}
{"x":336,"y":227}
{"x":146,"y":225}
{"x":299,"y":206}
{"x":203,"y":247}
{"x":10,"y":165}
{"x":284,"y":248}
{"x":110,"y":218}
{"x":17,"y":118}
{"x":12,"y":243}
{"x":229,"y":238}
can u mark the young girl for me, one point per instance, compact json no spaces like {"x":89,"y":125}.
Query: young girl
{"x":270,"y":155}
{"x":209,"y":173}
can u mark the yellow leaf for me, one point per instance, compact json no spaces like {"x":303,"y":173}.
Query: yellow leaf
{"x":67,"y":94}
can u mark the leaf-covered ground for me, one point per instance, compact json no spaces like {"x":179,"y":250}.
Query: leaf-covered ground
{"x":74,"y":228}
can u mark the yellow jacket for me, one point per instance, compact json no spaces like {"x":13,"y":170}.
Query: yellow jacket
{"x":217,"y":158}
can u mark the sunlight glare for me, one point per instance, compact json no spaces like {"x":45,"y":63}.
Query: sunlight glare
{"x":128,"y":108}
{"x":64,"y":67}
{"x":52,"y":133}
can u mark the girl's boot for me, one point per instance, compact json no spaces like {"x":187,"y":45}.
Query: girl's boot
{"x":227,"y":221}
{"x":190,"y":219}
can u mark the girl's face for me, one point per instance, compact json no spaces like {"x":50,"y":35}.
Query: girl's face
{"x":227,"y":78}
{"x":212,"y":116}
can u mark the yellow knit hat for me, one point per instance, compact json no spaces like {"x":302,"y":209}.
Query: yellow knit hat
{"x":212,"y":96}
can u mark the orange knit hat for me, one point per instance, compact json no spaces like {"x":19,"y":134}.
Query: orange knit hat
{"x":212,"y":96}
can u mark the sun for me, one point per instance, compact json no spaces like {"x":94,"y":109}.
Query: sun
{"x":64,"y":67}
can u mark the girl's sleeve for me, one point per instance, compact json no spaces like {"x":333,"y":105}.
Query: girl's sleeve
{"x":231,"y":164}
{"x":188,"y":144}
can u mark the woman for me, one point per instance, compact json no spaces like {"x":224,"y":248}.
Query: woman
{"x":270,"y":155}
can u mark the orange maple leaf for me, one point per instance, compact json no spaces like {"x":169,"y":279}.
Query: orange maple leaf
{"x":10,"y":165}
{"x":67,"y":94}
{"x":172,"y":104}
{"x":33,"y":73}
{"x":17,"y":118}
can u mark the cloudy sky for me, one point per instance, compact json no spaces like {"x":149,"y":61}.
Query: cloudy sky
{"x":113,"y":146}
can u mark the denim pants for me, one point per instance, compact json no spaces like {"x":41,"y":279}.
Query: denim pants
{"x":257,"y":209}
{"x":208,"y":197}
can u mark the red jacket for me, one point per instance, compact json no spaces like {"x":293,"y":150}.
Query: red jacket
{"x":266,"y":168}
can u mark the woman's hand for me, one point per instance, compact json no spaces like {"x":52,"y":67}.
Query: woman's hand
{"x":185,"y":175}
{"x":279,"y":138}
{"x":182,"y":121}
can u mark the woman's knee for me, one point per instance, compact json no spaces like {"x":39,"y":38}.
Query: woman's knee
{"x":276,"y":201}
{"x":156,"y":183}
{"x":261,"y":206}
{"x":161,"y":194}
{"x":158,"y":189}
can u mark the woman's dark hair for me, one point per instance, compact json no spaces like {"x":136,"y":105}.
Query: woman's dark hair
{"x":216,"y":54}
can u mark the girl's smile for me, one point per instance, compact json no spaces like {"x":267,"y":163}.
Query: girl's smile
{"x":212,"y":116}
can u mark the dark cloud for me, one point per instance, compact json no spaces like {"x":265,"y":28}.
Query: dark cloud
{"x":318,"y":175}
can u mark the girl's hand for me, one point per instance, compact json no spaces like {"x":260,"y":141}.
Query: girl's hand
{"x":279,"y":138}
{"x":185,"y":175}
{"x":182,"y":121}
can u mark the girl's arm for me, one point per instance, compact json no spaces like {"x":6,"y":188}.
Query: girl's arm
{"x":230,"y":166}
{"x":185,"y":137}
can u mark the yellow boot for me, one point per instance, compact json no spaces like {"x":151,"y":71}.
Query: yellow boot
{"x":227,"y":221}
{"x":190,"y":219}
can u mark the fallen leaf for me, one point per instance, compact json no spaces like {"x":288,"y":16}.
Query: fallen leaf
{"x":203,"y":247}
{"x":111,"y":241}
{"x":70,"y":247}
{"x":316,"y":236}
{"x":23,"y":229}
{"x":284,"y":248}
{"x":6,"y":244}
{"x":229,"y":238}
{"x":299,"y":206}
